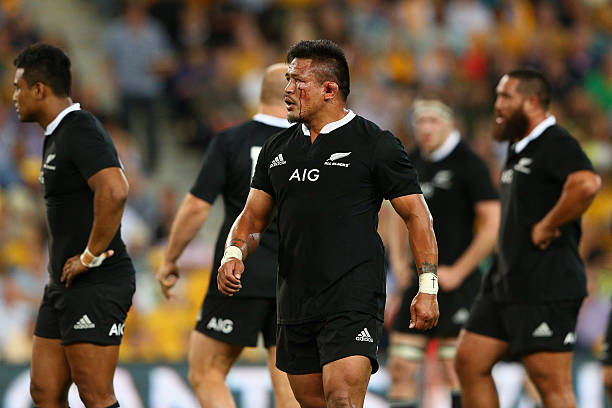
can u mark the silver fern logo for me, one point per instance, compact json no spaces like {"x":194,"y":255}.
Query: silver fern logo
{"x":337,"y":156}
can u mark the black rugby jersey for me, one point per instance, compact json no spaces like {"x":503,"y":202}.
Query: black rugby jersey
{"x":227,"y":169}
{"x":531,"y":183}
{"x":328,"y":194}
{"x":74,"y":151}
{"x":452,"y":186}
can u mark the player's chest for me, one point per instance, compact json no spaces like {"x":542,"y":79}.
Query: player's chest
{"x":525,"y":174}
{"x":58,"y":175}
{"x":439,"y":182}
{"x":319,"y":167}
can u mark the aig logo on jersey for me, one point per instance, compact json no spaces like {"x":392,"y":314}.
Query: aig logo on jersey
{"x":304,"y":175}
{"x":221,"y":325}
{"x":117,"y":329}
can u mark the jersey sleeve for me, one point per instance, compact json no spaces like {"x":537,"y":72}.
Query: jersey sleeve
{"x":261,"y":177}
{"x":91,"y":150}
{"x":212,"y":175}
{"x":566,"y":156}
{"x":479,"y":184}
{"x":394,"y":172}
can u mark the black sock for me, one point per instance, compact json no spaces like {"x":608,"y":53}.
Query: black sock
{"x":456,"y":400}
{"x":115,"y":405}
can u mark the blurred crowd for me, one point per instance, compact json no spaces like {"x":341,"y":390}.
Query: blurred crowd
{"x":182,"y":70}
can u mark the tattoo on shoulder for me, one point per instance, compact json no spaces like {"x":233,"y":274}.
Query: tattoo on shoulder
{"x":427,"y":267}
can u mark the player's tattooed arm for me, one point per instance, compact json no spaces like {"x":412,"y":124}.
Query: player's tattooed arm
{"x":427,"y":267}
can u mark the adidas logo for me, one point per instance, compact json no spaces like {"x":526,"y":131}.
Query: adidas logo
{"x":570,"y":338}
{"x":84,"y":323}
{"x":337,"y":156}
{"x":364,"y":336}
{"x":542,"y":331}
{"x":278,"y":161}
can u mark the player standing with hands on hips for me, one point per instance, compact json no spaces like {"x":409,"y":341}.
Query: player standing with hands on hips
{"x":81,"y":317}
{"x":529,"y":302}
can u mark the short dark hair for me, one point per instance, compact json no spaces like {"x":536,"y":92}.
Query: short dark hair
{"x":325,"y":52}
{"x":533,"y":82}
{"x":47,"y":64}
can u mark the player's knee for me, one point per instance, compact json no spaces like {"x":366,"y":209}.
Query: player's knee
{"x":38,"y":393}
{"x":402,"y":371}
{"x":42,"y":394}
{"x":199,"y":377}
{"x":310,"y":401}
{"x":338,"y":398}
{"x":405,"y":361}
{"x":92,"y":392}
{"x":466,"y":365}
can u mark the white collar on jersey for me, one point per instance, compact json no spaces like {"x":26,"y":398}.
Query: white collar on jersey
{"x":333,"y":125}
{"x":55,"y":122}
{"x":271,"y":120}
{"x":534,"y":134}
{"x":445,"y":148}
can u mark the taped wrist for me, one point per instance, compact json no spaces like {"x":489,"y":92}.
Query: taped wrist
{"x":428,"y":283}
{"x":231,"y":251}
{"x":90,"y":260}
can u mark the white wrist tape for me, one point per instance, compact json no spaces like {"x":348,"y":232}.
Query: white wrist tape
{"x":231,"y":251}
{"x":428,"y":283}
{"x":90,"y":260}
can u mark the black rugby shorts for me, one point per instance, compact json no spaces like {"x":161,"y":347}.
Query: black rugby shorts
{"x":90,"y":313}
{"x":305,"y":348}
{"x":528,"y":328}
{"x":238,"y":320}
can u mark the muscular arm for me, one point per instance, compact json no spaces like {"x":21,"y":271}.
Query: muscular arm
{"x":245,"y":234}
{"x":399,"y":256}
{"x":191,"y":215}
{"x":484,"y":241}
{"x":413,"y":209}
{"x":578,"y":192}
{"x":110,"y":189}
{"x":422,"y":240}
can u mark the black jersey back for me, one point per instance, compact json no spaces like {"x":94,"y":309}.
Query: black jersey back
{"x":451,"y":187}
{"x":328,"y":195}
{"x":227,"y":168}
{"x":76,"y":150}
{"x":531,"y":184}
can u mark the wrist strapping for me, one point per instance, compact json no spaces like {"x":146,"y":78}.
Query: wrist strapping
{"x":231,"y":251}
{"x":428,"y":283}
{"x":90,"y":260}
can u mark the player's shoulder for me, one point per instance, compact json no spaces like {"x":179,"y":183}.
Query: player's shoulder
{"x":369,"y":134}
{"x":246,"y":130}
{"x":556,"y":132}
{"x":82,"y":123}
{"x":464,"y":152}
{"x":284,"y":135}
{"x":557,"y":137}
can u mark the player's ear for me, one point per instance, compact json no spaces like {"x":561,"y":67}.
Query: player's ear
{"x":39,"y":90}
{"x":330,"y":90}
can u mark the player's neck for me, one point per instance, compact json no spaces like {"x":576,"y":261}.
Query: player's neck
{"x":534,"y":121}
{"x":52,"y":109}
{"x":323,"y":117}
{"x":273,"y":110}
